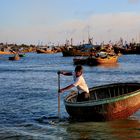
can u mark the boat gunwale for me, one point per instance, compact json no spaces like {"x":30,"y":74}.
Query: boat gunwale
{"x":105,"y":100}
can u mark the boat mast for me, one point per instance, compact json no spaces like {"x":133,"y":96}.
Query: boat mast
{"x":88,"y":35}
{"x":139,"y":37}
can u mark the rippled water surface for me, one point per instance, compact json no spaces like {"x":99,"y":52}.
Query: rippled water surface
{"x":28,"y":99}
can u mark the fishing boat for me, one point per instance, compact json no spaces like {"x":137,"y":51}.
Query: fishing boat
{"x":44,"y":51}
{"x":95,"y":60}
{"x":107,"y":102}
{"x":85,"y":61}
{"x":81,"y":50}
{"x":128,"y":49}
{"x":74,"y":52}
{"x":108,"y":60}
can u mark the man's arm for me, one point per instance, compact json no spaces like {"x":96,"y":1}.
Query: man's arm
{"x":66,"y":88}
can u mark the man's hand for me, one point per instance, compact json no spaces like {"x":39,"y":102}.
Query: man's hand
{"x":60,"y":90}
{"x":59,"y":72}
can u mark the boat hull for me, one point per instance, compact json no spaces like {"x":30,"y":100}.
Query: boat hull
{"x":95,"y":61}
{"x":44,"y":51}
{"x":4,"y":52}
{"x":108,"y":60}
{"x":110,"y":108}
{"x":16,"y":57}
{"x":74,"y":53}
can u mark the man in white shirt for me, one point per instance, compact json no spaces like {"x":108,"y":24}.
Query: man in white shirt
{"x":79,"y":82}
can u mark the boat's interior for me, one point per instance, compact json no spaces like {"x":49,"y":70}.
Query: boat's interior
{"x":113,"y":91}
{"x":109,"y":91}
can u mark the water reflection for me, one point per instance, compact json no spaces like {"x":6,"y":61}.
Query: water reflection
{"x":110,"y":130}
{"x":125,"y":129}
{"x":115,"y":65}
{"x":89,"y":130}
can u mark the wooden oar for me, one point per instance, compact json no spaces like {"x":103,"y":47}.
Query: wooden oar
{"x":58,"y":96}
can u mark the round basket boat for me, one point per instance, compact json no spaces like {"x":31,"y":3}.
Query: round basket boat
{"x":107,"y":102}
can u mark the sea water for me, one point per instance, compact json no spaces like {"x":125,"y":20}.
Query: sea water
{"x":29,"y":99}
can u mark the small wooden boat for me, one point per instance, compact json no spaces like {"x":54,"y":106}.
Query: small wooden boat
{"x":15,"y":57}
{"x":85,"y":61}
{"x":6,"y":52}
{"x":45,"y":51}
{"x":108,"y":60}
{"x":22,"y":55}
{"x":95,"y":60}
{"x":107,"y":102}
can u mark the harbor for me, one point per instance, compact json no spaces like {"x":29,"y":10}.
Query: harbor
{"x":69,"y":70}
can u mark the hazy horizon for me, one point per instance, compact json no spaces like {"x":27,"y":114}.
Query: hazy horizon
{"x":54,"y":21}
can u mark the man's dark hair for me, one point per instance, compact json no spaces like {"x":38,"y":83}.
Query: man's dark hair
{"x":78,"y":68}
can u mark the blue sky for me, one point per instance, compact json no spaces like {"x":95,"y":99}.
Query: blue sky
{"x":54,"y":21}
